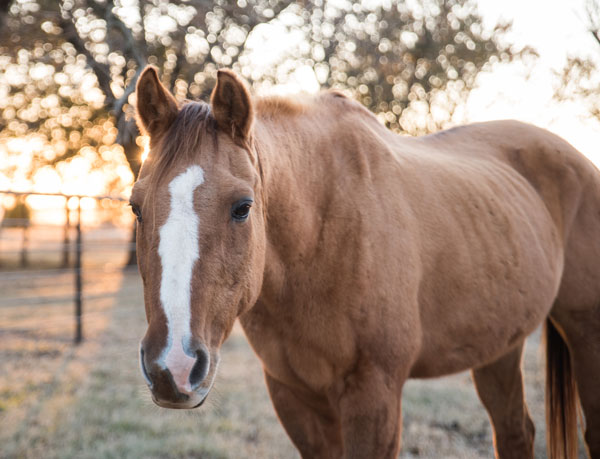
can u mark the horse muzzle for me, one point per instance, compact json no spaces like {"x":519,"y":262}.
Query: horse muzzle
{"x":180,"y":382}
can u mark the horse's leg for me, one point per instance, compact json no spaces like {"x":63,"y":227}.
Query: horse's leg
{"x":582,"y":329}
{"x":500,"y":388}
{"x":370,"y":413}
{"x":314,"y":433}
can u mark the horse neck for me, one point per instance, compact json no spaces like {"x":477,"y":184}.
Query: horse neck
{"x":310,"y":165}
{"x":293,"y":186}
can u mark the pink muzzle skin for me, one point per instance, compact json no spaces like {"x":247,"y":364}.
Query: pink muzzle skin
{"x":180,"y":366}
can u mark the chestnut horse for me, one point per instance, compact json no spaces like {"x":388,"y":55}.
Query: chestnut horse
{"x":356,"y":258}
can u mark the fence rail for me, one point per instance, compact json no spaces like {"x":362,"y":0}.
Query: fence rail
{"x":49,"y":283}
{"x":62,"y":195}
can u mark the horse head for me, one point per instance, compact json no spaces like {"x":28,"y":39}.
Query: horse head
{"x":200,"y":235}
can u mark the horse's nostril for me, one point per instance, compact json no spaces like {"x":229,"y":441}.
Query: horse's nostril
{"x":143,"y":367}
{"x":200,"y":368}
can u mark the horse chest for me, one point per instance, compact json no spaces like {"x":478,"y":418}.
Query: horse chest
{"x":309,"y":356}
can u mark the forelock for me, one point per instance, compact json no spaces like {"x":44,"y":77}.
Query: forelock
{"x":193,"y":124}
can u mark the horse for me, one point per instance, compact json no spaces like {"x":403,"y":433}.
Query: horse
{"x":356,"y":258}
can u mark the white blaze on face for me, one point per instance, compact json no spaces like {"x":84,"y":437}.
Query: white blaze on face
{"x":179,"y":249}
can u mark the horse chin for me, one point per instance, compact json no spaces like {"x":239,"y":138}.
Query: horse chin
{"x":194,"y":401}
{"x":188,"y":401}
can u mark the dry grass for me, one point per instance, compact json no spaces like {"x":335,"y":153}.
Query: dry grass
{"x":57,"y":401}
{"x":91,"y":401}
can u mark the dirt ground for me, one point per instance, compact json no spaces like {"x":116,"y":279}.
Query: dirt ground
{"x":62,"y":401}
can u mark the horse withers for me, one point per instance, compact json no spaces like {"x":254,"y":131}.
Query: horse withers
{"x":356,"y":258}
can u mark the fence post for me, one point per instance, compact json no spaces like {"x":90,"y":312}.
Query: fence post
{"x":78,"y":284}
{"x":66,"y":241}
{"x":24,"y":244}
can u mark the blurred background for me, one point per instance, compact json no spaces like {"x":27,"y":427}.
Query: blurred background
{"x":70,"y":152}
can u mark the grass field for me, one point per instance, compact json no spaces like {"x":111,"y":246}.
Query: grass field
{"x":61,"y":401}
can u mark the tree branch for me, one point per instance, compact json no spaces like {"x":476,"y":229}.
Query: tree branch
{"x":131,"y":45}
{"x":4,"y":6}
{"x":178,"y":66}
{"x":121,"y":101}
{"x":141,"y":7}
{"x":595,"y":35}
{"x":102,"y":71}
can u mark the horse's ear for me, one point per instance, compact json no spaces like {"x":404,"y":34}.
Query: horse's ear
{"x":156,"y":107}
{"x":232,"y":106}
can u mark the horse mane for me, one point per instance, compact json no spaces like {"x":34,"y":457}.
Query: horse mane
{"x":271,"y":106}
{"x":195,"y":121}
{"x":294,"y":105}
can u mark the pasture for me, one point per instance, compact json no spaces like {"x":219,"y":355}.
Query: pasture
{"x":62,"y":401}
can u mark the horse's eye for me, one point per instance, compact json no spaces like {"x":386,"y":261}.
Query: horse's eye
{"x":136,"y":210}
{"x":241,"y":210}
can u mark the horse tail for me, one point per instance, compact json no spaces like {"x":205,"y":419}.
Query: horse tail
{"x":561,"y":397}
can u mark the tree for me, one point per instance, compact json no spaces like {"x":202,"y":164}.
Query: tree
{"x":411,"y":63}
{"x":19,"y":216}
{"x":579,"y":78}
{"x":70,"y":66}
{"x":112,"y":41}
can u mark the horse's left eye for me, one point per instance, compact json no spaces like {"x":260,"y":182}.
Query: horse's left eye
{"x":241,"y":210}
{"x":137,"y":211}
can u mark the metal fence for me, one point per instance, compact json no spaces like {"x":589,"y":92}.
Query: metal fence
{"x":45,"y":264}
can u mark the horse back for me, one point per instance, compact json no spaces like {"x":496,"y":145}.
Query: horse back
{"x":567,"y":183}
{"x":552,"y":167}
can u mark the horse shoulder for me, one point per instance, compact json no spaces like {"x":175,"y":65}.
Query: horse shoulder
{"x":296,"y":351}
